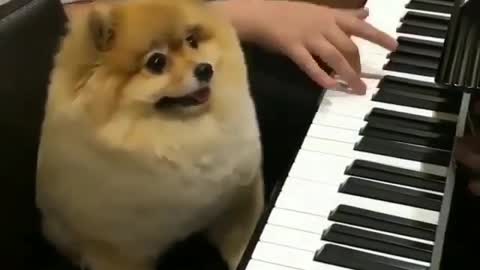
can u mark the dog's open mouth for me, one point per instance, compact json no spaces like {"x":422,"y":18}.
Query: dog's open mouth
{"x":196,"y":98}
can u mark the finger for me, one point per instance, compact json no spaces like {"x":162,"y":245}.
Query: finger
{"x":343,"y":86}
{"x":307,"y":64}
{"x":361,"y":13}
{"x":328,"y":53}
{"x":346,"y":47}
{"x":363,"y":29}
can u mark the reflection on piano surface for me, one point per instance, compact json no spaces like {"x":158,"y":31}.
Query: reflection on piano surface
{"x":373,"y":185}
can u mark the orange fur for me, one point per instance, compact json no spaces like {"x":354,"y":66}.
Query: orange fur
{"x":120,"y":180}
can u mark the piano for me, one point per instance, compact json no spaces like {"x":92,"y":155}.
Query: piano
{"x":373,"y":185}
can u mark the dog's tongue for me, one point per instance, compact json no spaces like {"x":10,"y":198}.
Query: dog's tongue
{"x":201,"y":95}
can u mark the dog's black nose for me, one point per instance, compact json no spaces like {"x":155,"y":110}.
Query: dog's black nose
{"x":203,"y":72}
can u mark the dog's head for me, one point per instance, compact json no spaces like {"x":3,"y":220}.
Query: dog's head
{"x":151,"y":58}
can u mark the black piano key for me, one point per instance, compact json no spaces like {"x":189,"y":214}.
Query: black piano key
{"x":395,"y":175}
{"x":417,"y":94}
{"x":389,"y":193}
{"x":423,"y":24}
{"x":383,"y":222}
{"x":392,"y":132}
{"x":413,"y":121}
{"x":359,"y":260}
{"x":438,"y":104}
{"x":394,"y":83}
{"x":409,"y":58}
{"x":411,"y":63}
{"x":432,"y":5}
{"x":420,"y":47}
{"x":403,"y":151}
{"x":374,"y":241}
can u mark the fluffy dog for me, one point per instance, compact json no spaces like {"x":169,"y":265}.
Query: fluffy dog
{"x":150,"y":134}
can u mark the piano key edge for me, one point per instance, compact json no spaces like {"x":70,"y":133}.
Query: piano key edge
{"x":442,"y":226}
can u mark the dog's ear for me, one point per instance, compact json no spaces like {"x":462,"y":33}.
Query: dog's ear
{"x":101,"y":26}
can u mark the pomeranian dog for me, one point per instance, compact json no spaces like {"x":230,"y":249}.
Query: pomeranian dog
{"x":150,"y":134}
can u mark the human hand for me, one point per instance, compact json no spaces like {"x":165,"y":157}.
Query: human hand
{"x":304,"y":31}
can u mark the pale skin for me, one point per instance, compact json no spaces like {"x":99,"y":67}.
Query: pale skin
{"x":303,"y":31}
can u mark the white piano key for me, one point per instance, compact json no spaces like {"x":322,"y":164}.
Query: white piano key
{"x":346,"y":150}
{"x":373,"y":57}
{"x":336,"y":176}
{"x":374,"y":72}
{"x":315,"y":225}
{"x":289,"y":257}
{"x":261,"y":265}
{"x":312,"y":241}
{"x":346,"y":107}
{"x":318,"y":131}
{"x":340,"y":121}
{"x":358,"y":106}
{"x":409,"y":76}
{"x":333,"y":133}
{"x":322,"y":168}
{"x":392,"y":29}
{"x":316,"y":165}
{"x":429,"y":12}
{"x":319,"y":199}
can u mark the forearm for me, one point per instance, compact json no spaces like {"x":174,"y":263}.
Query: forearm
{"x":236,"y":11}
{"x":239,"y":13}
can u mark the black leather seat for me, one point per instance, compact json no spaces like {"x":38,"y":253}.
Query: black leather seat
{"x":29,"y":30}
{"x":29,"y":33}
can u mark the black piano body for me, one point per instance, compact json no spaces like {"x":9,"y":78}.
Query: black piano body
{"x":458,"y":70}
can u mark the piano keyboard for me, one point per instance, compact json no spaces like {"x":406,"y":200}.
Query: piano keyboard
{"x":366,"y":187}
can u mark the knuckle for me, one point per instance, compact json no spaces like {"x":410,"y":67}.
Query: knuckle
{"x":328,"y":50}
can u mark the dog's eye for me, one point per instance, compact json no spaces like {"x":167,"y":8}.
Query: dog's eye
{"x":192,"y":41}
{"x":156,"y":62}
